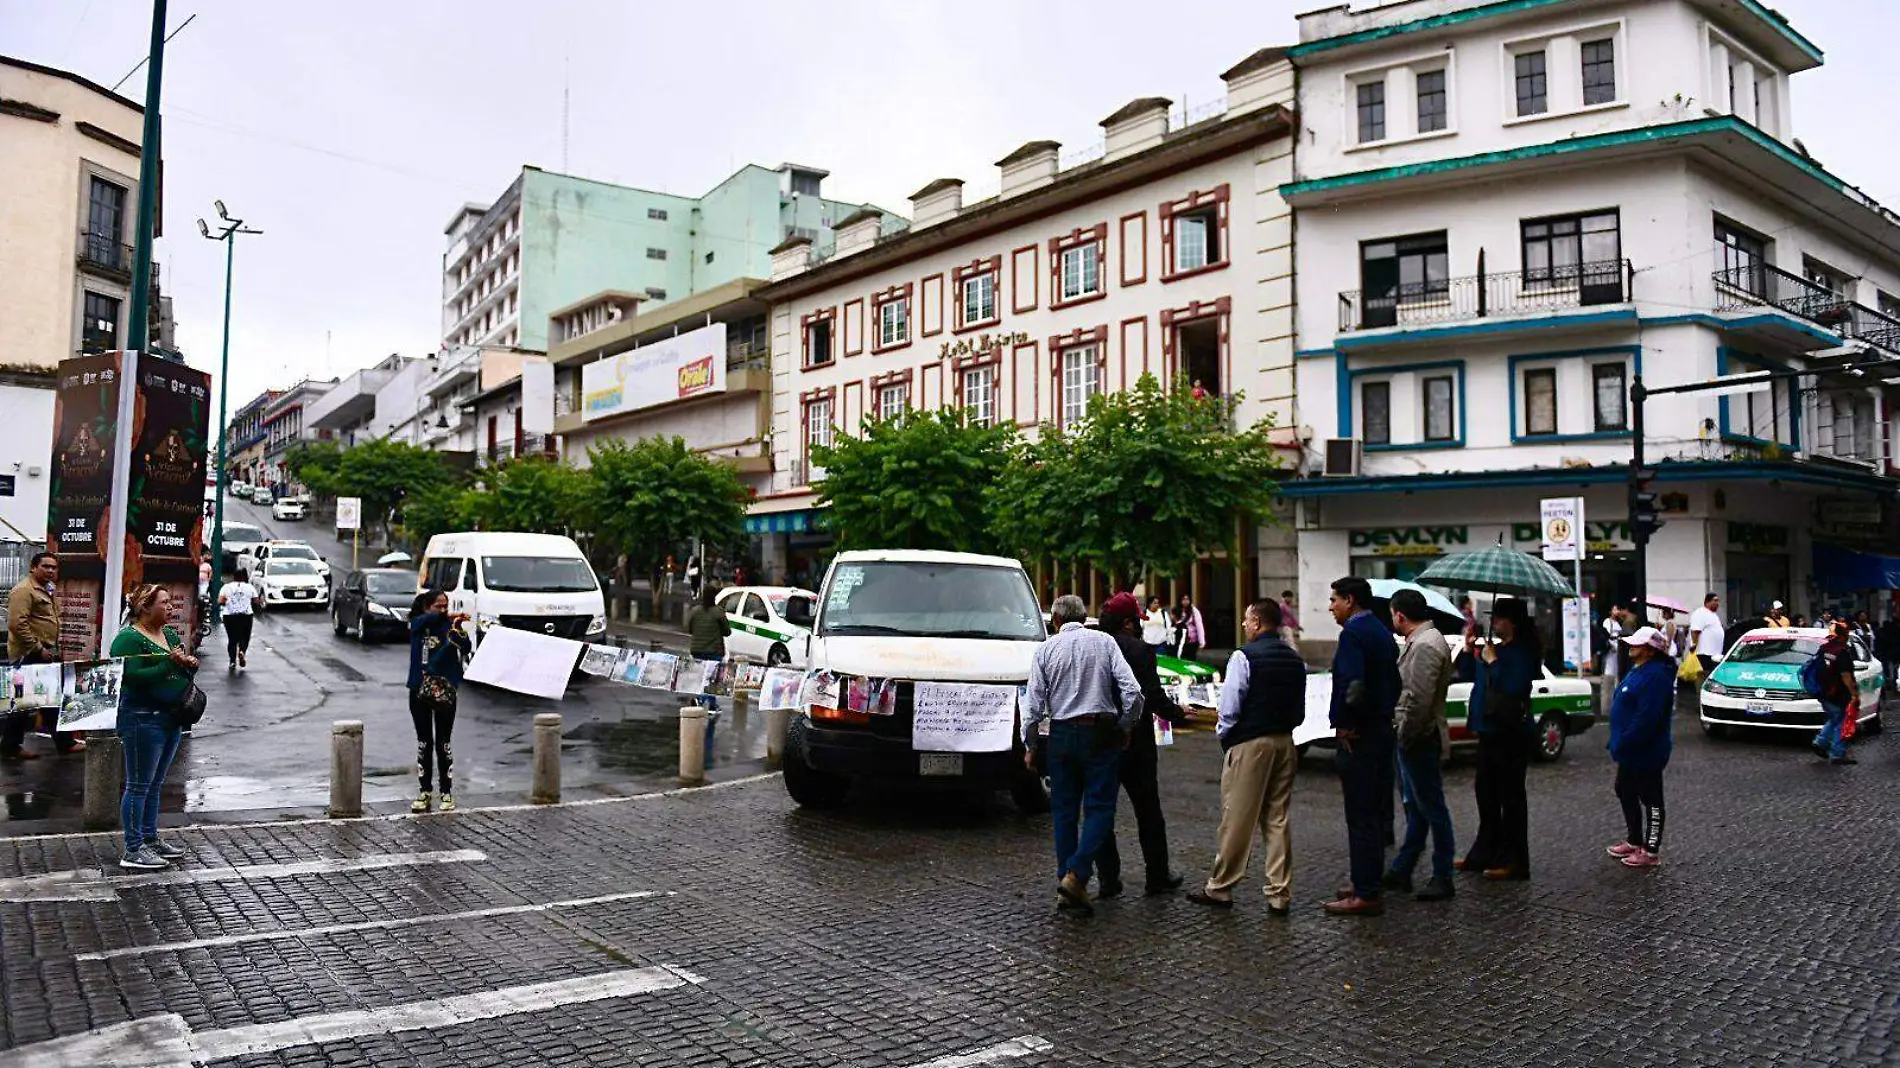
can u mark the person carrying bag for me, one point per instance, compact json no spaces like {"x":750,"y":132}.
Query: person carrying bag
{"x":159,"y":700}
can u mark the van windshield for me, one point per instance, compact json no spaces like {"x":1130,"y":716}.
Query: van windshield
{"x":930,"y":600}
{"x":537,"y":574}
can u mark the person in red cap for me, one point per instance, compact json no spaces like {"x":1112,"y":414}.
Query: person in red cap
{"x":1120,"y":618}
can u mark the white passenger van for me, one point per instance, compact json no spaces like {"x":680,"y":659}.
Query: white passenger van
{"x":537,"y":582}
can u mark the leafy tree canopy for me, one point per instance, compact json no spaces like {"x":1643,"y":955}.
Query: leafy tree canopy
{"x":534,"y":495}
{"x":649,"y":498}
{"x":914,"y":481}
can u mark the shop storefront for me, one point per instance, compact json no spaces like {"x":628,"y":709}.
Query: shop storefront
{"x":1609,"y":572}
{"x":792,"y":547}
{"x":1758,"y":566}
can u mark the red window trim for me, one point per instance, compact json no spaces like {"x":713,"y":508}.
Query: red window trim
{"x":845,"y":342}
{"x":878,"y":383}
{"x":994,"y":362}
{"x":804,"y":337}
{"x":975,"y":268}
{"x":805,"y":402}
{"x":1221,"y":308}
{"x":1218,"y":199}
{"x":1061,"y":343}
{"x":1098,"y":235}
{"x":1121,"y":227}
{"x":922,"y":293}
{"x":876,"y":325}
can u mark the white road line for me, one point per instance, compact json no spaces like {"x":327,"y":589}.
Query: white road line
{"x":92,"y":884}
{"x":1002,"y":1051}
{"x":368,"y":925}
{"x":166,"y":1041}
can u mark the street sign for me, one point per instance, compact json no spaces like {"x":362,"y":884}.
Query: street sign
{"x":349,"y":513}
{"x":1563,"y":528}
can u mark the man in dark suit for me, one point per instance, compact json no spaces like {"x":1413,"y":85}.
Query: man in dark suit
{"x":1121,"y":619}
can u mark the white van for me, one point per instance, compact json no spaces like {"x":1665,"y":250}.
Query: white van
{"x":537,"y":582}
{"x":910,"y":616}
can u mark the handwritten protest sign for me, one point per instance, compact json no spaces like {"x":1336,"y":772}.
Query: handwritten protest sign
{"x":525,"y":662}
{"x":961,"y":717}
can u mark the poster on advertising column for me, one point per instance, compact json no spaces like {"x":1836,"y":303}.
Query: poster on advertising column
{"x":85,"y":431}
{"x":164,"y":519}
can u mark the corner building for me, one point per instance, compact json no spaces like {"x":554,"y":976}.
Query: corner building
{"x":1166,"y":249}
{"x":1509,"y":211}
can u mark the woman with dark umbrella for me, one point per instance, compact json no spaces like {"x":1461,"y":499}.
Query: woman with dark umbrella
{"x":1499,"y":713}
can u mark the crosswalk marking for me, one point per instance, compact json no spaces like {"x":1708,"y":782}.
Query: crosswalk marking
{"x":92,"y":884}
{"x":1002,"y":1051}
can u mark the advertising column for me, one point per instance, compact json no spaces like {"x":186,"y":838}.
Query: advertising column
{"x":85,"y":439}
{"x":164,"y":522}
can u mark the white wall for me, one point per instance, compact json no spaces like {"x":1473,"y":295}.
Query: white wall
{"x":26,"y":445}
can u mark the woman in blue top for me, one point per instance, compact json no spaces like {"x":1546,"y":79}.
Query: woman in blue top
{"x":437,"y":646}
{"x":157,"y":670}
{"x":1641,"y":713}
{"x":1499,"y":712}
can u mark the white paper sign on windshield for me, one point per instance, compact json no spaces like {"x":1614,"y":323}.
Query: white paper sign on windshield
{"x":963,"y":717}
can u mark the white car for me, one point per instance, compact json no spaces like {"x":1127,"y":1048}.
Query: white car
{"x":1758,"y":684}
{"x":254,"y":557}
{"x":285,"y":581}
{"x":760,"y":631}
{"x":288,"y":508}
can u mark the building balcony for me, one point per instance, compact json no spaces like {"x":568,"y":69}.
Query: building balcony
{"x":1493,"y":302}
{"x":106,"y":255}
{"x":1873,"y":327}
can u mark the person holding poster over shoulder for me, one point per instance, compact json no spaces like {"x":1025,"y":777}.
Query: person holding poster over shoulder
{"x":1080,"y":683}
{"x":437,"y":647}
{"x":158,"y":670}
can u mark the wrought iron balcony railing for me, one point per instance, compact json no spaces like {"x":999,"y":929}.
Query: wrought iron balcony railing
{"x":1759,"y":285}
{"x":1486,"y":295}
{"x":103,"y":252}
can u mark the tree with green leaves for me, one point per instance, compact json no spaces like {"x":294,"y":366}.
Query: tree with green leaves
{"x":914,"y":482}
{"x":1148,"y":481}
{"x":315,"y":464}
{"x":384,"y":473}
{"x":533,"y":495}
{"x":442,"y":509}
{"x":651,"y":498}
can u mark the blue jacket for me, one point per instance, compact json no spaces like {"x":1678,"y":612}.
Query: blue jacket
{"x":1641,"y":716}
{"x":435,"y":647}
{"x":1369,"y":656}
{"x":1513,"y":673}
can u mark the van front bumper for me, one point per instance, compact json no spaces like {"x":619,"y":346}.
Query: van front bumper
{"x":859,"y":754}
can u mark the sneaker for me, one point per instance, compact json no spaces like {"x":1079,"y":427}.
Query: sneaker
{"x":1820,"y":749}
{"x":1623,"y":849}
{"x":421,"y":803}
{"x":241,"y":662}
{"x":144,"y":859}
{"x":1642,"y":858}
{"x":164,"y":849}
{"x":1843,"y":759}
{"x":447,"y":804}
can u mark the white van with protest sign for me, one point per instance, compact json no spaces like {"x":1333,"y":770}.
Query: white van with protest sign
{"x":537,"y":582}
{"x":916,"y":661}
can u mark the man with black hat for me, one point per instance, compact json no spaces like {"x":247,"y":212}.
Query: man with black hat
{"x":1121,"y":620}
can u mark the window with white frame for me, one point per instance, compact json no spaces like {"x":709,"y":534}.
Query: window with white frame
{"x":1439,"y":393}
{"x":1371,"y":102}
{"x":979,"y":297}
{"x":817,"y":423}
{"x":1196,"y":239}
{"x":892,"y":400}
{"x":1433,"y":107}
{"x":1540,"y":401}
{"x":893,"y":322}
{"x":1081,"y":379}
{"x":979,"y":394}
{"x":1081,"y":271}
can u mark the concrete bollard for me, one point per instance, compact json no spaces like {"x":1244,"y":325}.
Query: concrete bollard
{"x":105,"y":781}
{"x":547,"y":759}
{"x":741,"y":711}
{"x":693,"y":720}
{"x":778,"y":721}
{"x":346,"y":768}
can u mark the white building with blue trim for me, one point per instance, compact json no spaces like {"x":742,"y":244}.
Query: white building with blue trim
{"x":1505,"y":212}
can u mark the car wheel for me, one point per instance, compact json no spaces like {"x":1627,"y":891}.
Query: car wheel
{"x":809,"y":787}
{"x":362,"y":629}
{"x":1867,"y":726}
{"x":1550,"y":736}
{"x":777,"y":657}
{"x":1027,"y":791}
{"x":1717,"y":731}
{"x":336,"y":622}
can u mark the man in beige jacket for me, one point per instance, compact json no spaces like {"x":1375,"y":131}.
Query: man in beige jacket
{"x":1424,"y":740}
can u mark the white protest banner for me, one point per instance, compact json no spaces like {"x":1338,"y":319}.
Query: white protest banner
{"x":963,"y":717}
{"x":600,"y":660}
{"x":1319,"y":710}
{"x":89,"y":697}
{"x":537,"y":395}
{"x":781,"y":689}
{"x":525,"y":662}
{"x":34,"y":686}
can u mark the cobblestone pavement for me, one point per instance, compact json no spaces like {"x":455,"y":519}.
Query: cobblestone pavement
{"x":726,"y":927}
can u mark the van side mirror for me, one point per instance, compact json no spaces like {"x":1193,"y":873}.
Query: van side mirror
{"x":798,"y":612}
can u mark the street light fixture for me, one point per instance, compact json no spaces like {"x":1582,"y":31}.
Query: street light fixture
{"x":228,"y":235}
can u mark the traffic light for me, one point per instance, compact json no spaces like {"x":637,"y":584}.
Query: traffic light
{"x":1645,"y":519}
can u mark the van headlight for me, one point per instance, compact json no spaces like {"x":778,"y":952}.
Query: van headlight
{"x":597,"y":625}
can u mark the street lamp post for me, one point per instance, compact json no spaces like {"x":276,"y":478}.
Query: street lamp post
{"x":228,"y":235}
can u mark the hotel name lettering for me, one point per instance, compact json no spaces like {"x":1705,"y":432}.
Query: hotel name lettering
{"x":982,"y":344}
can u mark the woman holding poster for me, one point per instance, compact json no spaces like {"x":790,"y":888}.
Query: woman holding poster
{"x":157,"y":672}
{"x":437,"y":647}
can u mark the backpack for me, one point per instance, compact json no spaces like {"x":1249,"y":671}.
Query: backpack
{"x":1812,"y":679}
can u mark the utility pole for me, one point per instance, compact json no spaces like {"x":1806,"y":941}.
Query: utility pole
{"x":232,"y":227}
{"x":138,"y":331}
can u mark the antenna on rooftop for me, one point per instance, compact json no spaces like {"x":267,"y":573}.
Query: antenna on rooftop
{"x":564,"y":113}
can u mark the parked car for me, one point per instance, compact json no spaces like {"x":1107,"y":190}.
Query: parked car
{"x":760,"y":630}
{"x":239,"y":540}
{"x":538,"y":582}
{"x":289,"y":508}
{"x":280,"y":548}
{"x":905,"y":617}
{"x":373,"y":602}
{"x":286,"y":582}
{"x":1758,"y":684}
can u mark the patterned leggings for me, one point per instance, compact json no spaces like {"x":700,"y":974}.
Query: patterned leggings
{"x":433,"y":726}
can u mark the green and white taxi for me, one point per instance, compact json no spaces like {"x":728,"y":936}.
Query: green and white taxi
{"x":1195,"y":677}
{"x":1758,"y":684}
{"x":760,"y":631}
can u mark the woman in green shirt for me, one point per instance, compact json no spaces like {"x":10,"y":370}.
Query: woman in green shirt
{"x":157,"y":670}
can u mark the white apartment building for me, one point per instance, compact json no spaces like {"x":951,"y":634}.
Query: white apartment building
{"x":1167,"y":251}
{"x":1507,"y":212}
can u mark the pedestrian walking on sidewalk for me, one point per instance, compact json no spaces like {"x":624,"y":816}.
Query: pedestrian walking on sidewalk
{"x":1190,"y":632}
{"x":1615,"y":660}
{"x":33,"y":638}
{"x":1080,"y":684}
{"x":1365,"y":693}
{"x":158,"y":669}
{"x":1139,"y":767}
{"x":1641,"y":717}
{"x":1157,"y":629}
{"x":1706,"y":633}
{"x":1289,"y":618}
{"x":1499,"y":713}
{"x":1839,"y":694}
{"x":707,"y":628}
{"x":437,"y":648}
{"x":1424,"y":741}
{"x":1261,"y":702}
{"x":235,"y":601}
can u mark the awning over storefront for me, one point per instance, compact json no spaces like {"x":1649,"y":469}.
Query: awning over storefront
{"x":796,"y":522}
{"x":1838,"y":570}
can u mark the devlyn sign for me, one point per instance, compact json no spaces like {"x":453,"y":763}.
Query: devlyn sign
{"x":1612,"y":536}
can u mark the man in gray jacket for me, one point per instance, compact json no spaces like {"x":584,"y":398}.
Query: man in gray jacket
{"x":1425,"y":670}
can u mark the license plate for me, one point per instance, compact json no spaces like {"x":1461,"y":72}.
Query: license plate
{"x":1759,"y":708}
{"x":939,"y":763}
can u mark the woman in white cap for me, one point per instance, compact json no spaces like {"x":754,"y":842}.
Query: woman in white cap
{"x":1641,"y":715}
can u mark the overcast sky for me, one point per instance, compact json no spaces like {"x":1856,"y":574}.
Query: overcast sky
{"x":350,"y":131}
